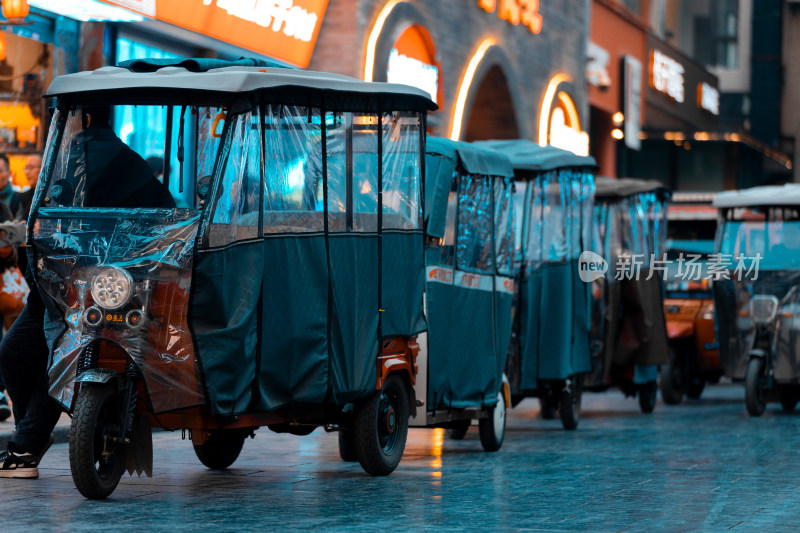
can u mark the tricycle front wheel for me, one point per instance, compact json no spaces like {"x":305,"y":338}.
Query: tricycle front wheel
{"x":97,"y":458}
{"x":380,"y":427}
{"x":221,"y":449}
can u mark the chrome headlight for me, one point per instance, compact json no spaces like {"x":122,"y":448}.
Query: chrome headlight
{"x":111,"y":287}
{"x":763,"y":308}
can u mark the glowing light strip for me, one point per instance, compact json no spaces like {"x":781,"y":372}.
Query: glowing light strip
{"x":544,"y":115}
{"x":372,"y":42}
{"x":569,"y":105}
{"x":461,"y":101}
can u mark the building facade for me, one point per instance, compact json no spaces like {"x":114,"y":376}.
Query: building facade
{"x":498,"y":69}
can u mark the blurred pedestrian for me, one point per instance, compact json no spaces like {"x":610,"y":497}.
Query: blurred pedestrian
{"x":33,"y":166}
{"x":7,"y":193}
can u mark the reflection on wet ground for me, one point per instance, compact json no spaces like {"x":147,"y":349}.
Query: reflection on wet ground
{"x":704,"y":465}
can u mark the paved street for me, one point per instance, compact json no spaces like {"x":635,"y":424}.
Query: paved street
{"x":700,"y":466}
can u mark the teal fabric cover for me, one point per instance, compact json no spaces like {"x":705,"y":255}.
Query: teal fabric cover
{"x":442,"y":158}
{"x":529,"y":156}
{"x":303,"y":358}
{"x":554,"y":333}
{"x":439,"y":173}
{"x":294,"y":345}
{"x":354,"y":316}
{"x":401,"y":286}
{"x":464,"y":365}
{"x":224,"y":320}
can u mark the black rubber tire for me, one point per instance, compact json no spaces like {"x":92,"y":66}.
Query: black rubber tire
{"x":380,"y":427}
{"x":347,"y":449}
{"x":671,"y":381}
{"x":221,"y":449}
{"x":97,"y":407}
{"x":548,"y":406}
{"x":570,"y":405}
{"x":695,"y":388}
{"x":755,"y":394}
{"x":458,"y":430}
{"x":492,"y":430}
{"x":647,"y":397}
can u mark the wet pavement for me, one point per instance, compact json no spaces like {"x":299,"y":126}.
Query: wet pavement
{"x":701,"y":466}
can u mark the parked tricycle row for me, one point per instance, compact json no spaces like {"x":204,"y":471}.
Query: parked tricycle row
{"x":313,"y":259}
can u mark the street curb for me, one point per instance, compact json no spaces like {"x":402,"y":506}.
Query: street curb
{"x":60,"y":434}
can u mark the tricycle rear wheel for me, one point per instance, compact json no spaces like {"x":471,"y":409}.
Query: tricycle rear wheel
{"x":380,"y":427}
{"x":492,"y":430}
{"x":755,"y":385}
{"x":97,"y":458}
{"x":221,"y":449}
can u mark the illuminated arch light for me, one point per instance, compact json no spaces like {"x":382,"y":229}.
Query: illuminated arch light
{"x":463,"y":91}
{"x":372,"y":42}
{"x":567,"y":115}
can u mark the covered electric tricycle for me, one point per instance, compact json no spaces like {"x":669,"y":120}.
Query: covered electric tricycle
{"x":469,"y":287}
{"x":549,"y":349}
{"x":287,"y":288}
{"x":757,"y":292}
{"x":629,"y":334}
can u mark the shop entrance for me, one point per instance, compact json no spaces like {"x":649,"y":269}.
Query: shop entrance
{"x":492,"y":114}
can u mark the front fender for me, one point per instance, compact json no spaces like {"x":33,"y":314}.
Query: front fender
{"x":96,"y":375}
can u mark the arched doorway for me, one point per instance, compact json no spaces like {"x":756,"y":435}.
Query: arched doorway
{"x":492,"y":114}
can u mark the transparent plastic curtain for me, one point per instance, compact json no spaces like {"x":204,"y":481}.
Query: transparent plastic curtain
{"x":293,"y":175}
{"x":555,"y":213}
{"x":235,"y":215}
{"x":505,"y":226}
{"x":155,"y":247}
{"x":402,"y":208}
{"x":535,"y":223}
{"x":474,"y":233}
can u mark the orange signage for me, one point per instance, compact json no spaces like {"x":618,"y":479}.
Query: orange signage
{"x":283,"y":29}
{"x":525,"y":12}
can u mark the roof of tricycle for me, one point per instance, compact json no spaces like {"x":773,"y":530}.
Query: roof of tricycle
{"x":444,"y":157}
{"x":527,"y":155}
{"x":766,"y":195}
{"x":474,"y":159}
{"x":611,"y":188}
{"x":147,"y":79}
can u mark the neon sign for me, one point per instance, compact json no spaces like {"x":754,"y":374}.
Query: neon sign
{"x":666,"y":76}
{"x":410,"y":71}
{"x":525,"y":12}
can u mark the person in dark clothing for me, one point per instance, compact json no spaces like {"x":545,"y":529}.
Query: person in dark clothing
{"x":8,"y":257}
{"x":7,"y":193}
{"x":102,"y":172}
{"x":33,"y":165}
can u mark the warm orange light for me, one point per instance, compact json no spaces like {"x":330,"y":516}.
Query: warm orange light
{"x":618,"y":118}
{"x":372,"y":42}
{"x":572,"y":113}
{"x":463,"y":91}
{"x":19,"y":117}
{"x":2,"y":46}
{"x":544,"y":115}
{"x":15,"y":9}
{"x":617,"y":134}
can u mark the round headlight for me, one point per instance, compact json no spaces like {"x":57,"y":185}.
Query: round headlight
{"x":111,"y":287}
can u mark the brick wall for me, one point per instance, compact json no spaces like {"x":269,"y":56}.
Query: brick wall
{"x":528,"y":61}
